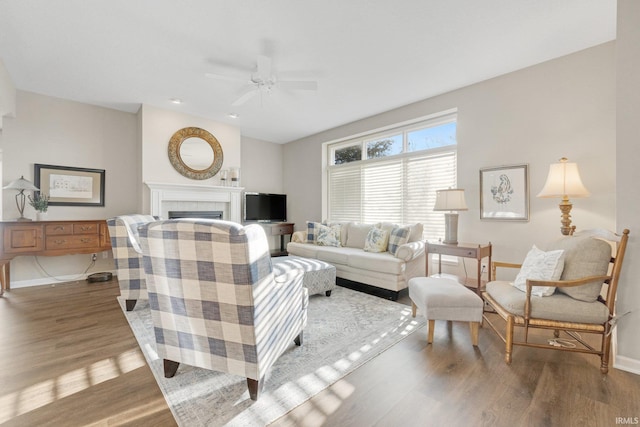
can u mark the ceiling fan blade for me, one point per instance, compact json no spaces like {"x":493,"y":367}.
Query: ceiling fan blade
{"x":264,"y":67}
{"x":298,"y":85}
{"x":226,"y":77}
{"x":248,"y":93}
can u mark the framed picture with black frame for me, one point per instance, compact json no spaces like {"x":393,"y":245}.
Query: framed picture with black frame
{"x":70,"y":186}
{"x":504,"y":193}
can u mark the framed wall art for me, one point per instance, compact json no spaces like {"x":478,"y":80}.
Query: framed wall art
{"x":69,"y":186}
{"x":504,"y":193}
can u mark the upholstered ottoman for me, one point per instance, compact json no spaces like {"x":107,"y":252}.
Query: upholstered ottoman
{"x":319,"y":276}
{"x":445,"y":299}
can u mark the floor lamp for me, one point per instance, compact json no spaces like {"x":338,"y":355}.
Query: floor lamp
{"x":563,"y":182}
{"x":21,"y":185}
{"x":450,"y":200}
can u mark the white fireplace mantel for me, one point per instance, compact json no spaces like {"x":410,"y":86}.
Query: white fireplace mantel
{"x":162,"y":193}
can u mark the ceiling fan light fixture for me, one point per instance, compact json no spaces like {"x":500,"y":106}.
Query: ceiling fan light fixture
{"x":176,"y":101}
{"x":233,"y":115}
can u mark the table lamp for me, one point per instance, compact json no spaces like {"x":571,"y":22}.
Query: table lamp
{"x":564,"y":181}
{"x":450,"y":200}
{"x":21,"y":185}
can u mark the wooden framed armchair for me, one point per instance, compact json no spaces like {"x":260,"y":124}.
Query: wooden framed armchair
{"x":583,"y":301}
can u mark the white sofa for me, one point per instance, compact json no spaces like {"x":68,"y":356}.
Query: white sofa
{"x":352,"y":262}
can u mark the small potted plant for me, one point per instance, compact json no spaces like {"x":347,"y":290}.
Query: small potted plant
{"x":40,"y":203}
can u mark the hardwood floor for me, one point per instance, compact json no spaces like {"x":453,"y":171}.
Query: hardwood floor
{"x":68,"y":357}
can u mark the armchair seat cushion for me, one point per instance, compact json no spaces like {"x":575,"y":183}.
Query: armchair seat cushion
{"x":559,"y":306}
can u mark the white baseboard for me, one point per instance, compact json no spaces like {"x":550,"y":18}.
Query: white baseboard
{"x":50,"y":281}
{"x":627,"y":364}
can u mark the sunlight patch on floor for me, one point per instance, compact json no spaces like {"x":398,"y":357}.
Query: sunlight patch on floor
{"x":45,"y":392}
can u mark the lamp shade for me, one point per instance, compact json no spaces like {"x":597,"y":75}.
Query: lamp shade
{"x":563,"y":180}
{"x":21,"y":184}
{"x":450,"y":200}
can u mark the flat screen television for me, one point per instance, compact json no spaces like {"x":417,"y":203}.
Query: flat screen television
{"x":263,"y":207}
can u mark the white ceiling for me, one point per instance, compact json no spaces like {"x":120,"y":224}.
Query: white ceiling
{"x":368,"y":56}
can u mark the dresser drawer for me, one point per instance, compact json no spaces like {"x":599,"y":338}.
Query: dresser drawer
{"x":86,"y":228}
{"x":55,"y":229}
{"x":72,"y":242}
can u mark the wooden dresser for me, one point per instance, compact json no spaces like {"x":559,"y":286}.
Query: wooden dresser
{"x":49,"y":238}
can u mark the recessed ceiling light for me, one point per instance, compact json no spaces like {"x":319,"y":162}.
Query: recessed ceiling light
{"x":175,"y":100}
{"x":233,"y":115}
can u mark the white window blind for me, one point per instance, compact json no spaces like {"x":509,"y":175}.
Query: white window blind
{"x":401,"y":190}
{"x":396,"y":188}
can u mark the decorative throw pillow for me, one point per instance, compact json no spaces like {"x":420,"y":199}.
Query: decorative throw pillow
{"x":312,"y":231}
{"x":398,"y":237}
{"x":329,"y":236}
{"x":377,"y":240}
{"x":540,"y":265}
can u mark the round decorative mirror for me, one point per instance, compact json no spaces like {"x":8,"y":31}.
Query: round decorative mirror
{"x":195,"y":153}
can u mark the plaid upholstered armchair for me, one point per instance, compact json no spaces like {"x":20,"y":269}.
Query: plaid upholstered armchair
{"x":128,"y":256}
{"x":214,"y":300}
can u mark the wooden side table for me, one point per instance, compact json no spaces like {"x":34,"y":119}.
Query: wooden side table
{"x":464,"y":250}
{"x":281,"y":229}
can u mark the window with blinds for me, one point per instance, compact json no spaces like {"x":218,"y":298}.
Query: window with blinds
{"x":393,"y":176}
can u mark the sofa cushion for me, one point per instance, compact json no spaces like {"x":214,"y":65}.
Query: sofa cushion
{"x":584,"y":256}
{"x":358,"y":235}
{"x":415,"y":235}
{"x":540,"y":265}
{"x":558,"y":306}
{"x":305,"y":250}
{"x":382,"y":262}
{"x":336,"y":256}
{"x":377,"y":240}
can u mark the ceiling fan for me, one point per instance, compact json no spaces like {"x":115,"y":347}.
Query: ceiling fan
{"x":263,"y":80}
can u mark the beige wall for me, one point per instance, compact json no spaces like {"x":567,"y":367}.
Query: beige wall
{"x":261,"y":166}
{"x":7,"y":94}
{"x":58,"y":132}
{"x":157,"y":127}
{"x":628,"y":177}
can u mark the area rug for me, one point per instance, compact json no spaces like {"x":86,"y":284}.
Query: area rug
{"x":343,"y":332}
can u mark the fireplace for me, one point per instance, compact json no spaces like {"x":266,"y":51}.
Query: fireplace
{"x":195,"y":214}
{"x":168,"y":197}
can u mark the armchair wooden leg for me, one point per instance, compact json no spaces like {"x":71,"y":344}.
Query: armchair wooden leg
{"x":432,"y":326}
{"x":298,"y":339}
{"x":604,"y":359}
{"x":414,"y":309}
{"x":509,"y":341}
{"x":130,"y":303}
{"x":170,"y":368}
{"x":474,"y":326}
{"x":254,"y":388}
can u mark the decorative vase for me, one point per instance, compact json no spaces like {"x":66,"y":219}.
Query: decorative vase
{"x":41,"y":216}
